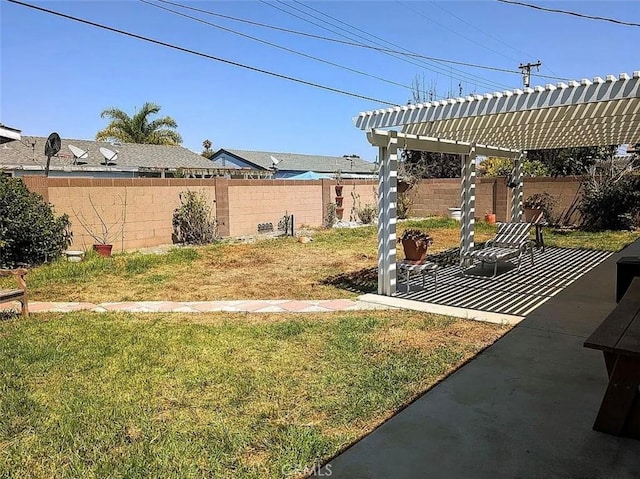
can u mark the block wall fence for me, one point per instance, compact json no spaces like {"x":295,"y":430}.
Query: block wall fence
{"x":140,"y":210}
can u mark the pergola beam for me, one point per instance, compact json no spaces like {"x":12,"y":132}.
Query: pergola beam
{"x":387,"y":200}
{"x":379,"y":138}
{"x":388,"y":143}
{"x":586,"y":113}
{"x":468,"y":202}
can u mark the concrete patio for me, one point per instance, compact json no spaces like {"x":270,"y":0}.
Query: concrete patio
{"x":507,"y":298}
{"x":523,"y":408}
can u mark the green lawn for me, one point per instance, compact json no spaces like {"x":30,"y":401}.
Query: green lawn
{"x":223,"y":395}
{"x":213,"y":395}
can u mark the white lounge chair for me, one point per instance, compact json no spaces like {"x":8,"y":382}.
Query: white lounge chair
{"x":511,"y":241}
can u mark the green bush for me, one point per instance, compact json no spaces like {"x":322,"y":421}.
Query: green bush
{"x":192,"y":221}
{"x":610,"y":205}
{"x":368,"y":213}
{"x":494,"y":166}
{"x":331,"y":216}
{"x":542,"y":201}
{"x":30,"y":233}
{"x":403,"y":205}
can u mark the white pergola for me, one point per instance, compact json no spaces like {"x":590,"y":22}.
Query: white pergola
{"x":586,"y":113}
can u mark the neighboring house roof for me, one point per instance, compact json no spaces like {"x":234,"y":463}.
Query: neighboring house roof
{"x":302,"y":163}
{"x":29,"y":152}
{"x":8,"y":134}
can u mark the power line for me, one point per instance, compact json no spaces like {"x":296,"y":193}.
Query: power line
{"x":575,"y":14}
{"x":328,"y":29}
{"x":350,"y":43}
{"x":472,"y":40}
{"x":476,"y":79}
{"x":420,"y":65}
{"x":275,"y":45}
{"x":457,"y":33}
{"x":200,"y":54}
{"x":469,"y":24}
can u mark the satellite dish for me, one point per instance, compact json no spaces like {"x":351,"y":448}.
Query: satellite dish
{"x":51,"y":147}
{"x":109,"y":155}
{"x":274,"y":160}
{"x":78,"y":153}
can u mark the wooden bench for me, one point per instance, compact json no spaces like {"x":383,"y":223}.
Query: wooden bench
{"x":20,"y":294}
{"x":618,"y":337}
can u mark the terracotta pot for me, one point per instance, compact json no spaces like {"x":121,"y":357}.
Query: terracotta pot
{"x":490,"y":218}
{"x":533,"y":215}
{"x":339,"y":212}
{"x":339,"y":190}
{"x":339,"y":201}
{"x":414,"y":250}
{"x":103,"y":249}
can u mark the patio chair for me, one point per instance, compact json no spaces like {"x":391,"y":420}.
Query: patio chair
{"x":511,"y":241}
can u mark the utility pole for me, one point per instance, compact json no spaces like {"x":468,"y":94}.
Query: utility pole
{"x":526,"y":72}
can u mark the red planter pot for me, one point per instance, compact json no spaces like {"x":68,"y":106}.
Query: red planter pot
{"x":339,"y":212}
{"x":414,"y":250}
{"x":103,"y":249}
{"x":339,"y":201}
{"x":490,"y":218}
{"x":339,"y":190}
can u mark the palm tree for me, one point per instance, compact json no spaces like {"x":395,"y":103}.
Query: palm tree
{"x":138,"y":128}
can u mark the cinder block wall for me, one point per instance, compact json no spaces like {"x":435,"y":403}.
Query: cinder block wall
{"x":435,"y":196}
{"x":138,"y":212}
{"x":564,"y":190}
{"x":358,"y":194}
{"x":240,"y":205}
{"x":252,"y":202}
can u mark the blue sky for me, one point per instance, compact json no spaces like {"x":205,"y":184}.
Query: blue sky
{"x":58,"y":75}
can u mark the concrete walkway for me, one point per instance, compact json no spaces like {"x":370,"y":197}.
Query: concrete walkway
{"x":242,"y":306}
{"x":523,"y":408}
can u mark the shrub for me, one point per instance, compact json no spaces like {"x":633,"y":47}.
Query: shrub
{"x":542,"y":201}
{"x":610,"y":205}
{"x":30,"y":233}
{"x":332,"y":216}
{"x":403,"y":205}
{"x":367,"y":214}
{"x":192,"y":221}
{"x":494,"y":166}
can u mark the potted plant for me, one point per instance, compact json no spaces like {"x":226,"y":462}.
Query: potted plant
{"x":106,"y":232}
{"x":538,"y":207}
{"x":490,"y":217}
{"x":339,"y":186}
{"x":415,"y":244}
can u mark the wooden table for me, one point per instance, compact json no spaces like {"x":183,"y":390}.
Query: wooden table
{"x":423,"y":267}
{"x":618,"y":337}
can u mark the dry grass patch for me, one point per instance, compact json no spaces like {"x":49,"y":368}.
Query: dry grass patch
{"x":338,"y":263}
{"x":280,"y":268}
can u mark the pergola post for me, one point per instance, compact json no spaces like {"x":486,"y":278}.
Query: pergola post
{"x":387,"y":197}
{"x":468,"y":202}
{"x":517,"y":191}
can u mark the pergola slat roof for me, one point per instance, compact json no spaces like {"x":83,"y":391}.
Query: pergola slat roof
{"x":586,"y":113}
{"x":574,"y":114}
